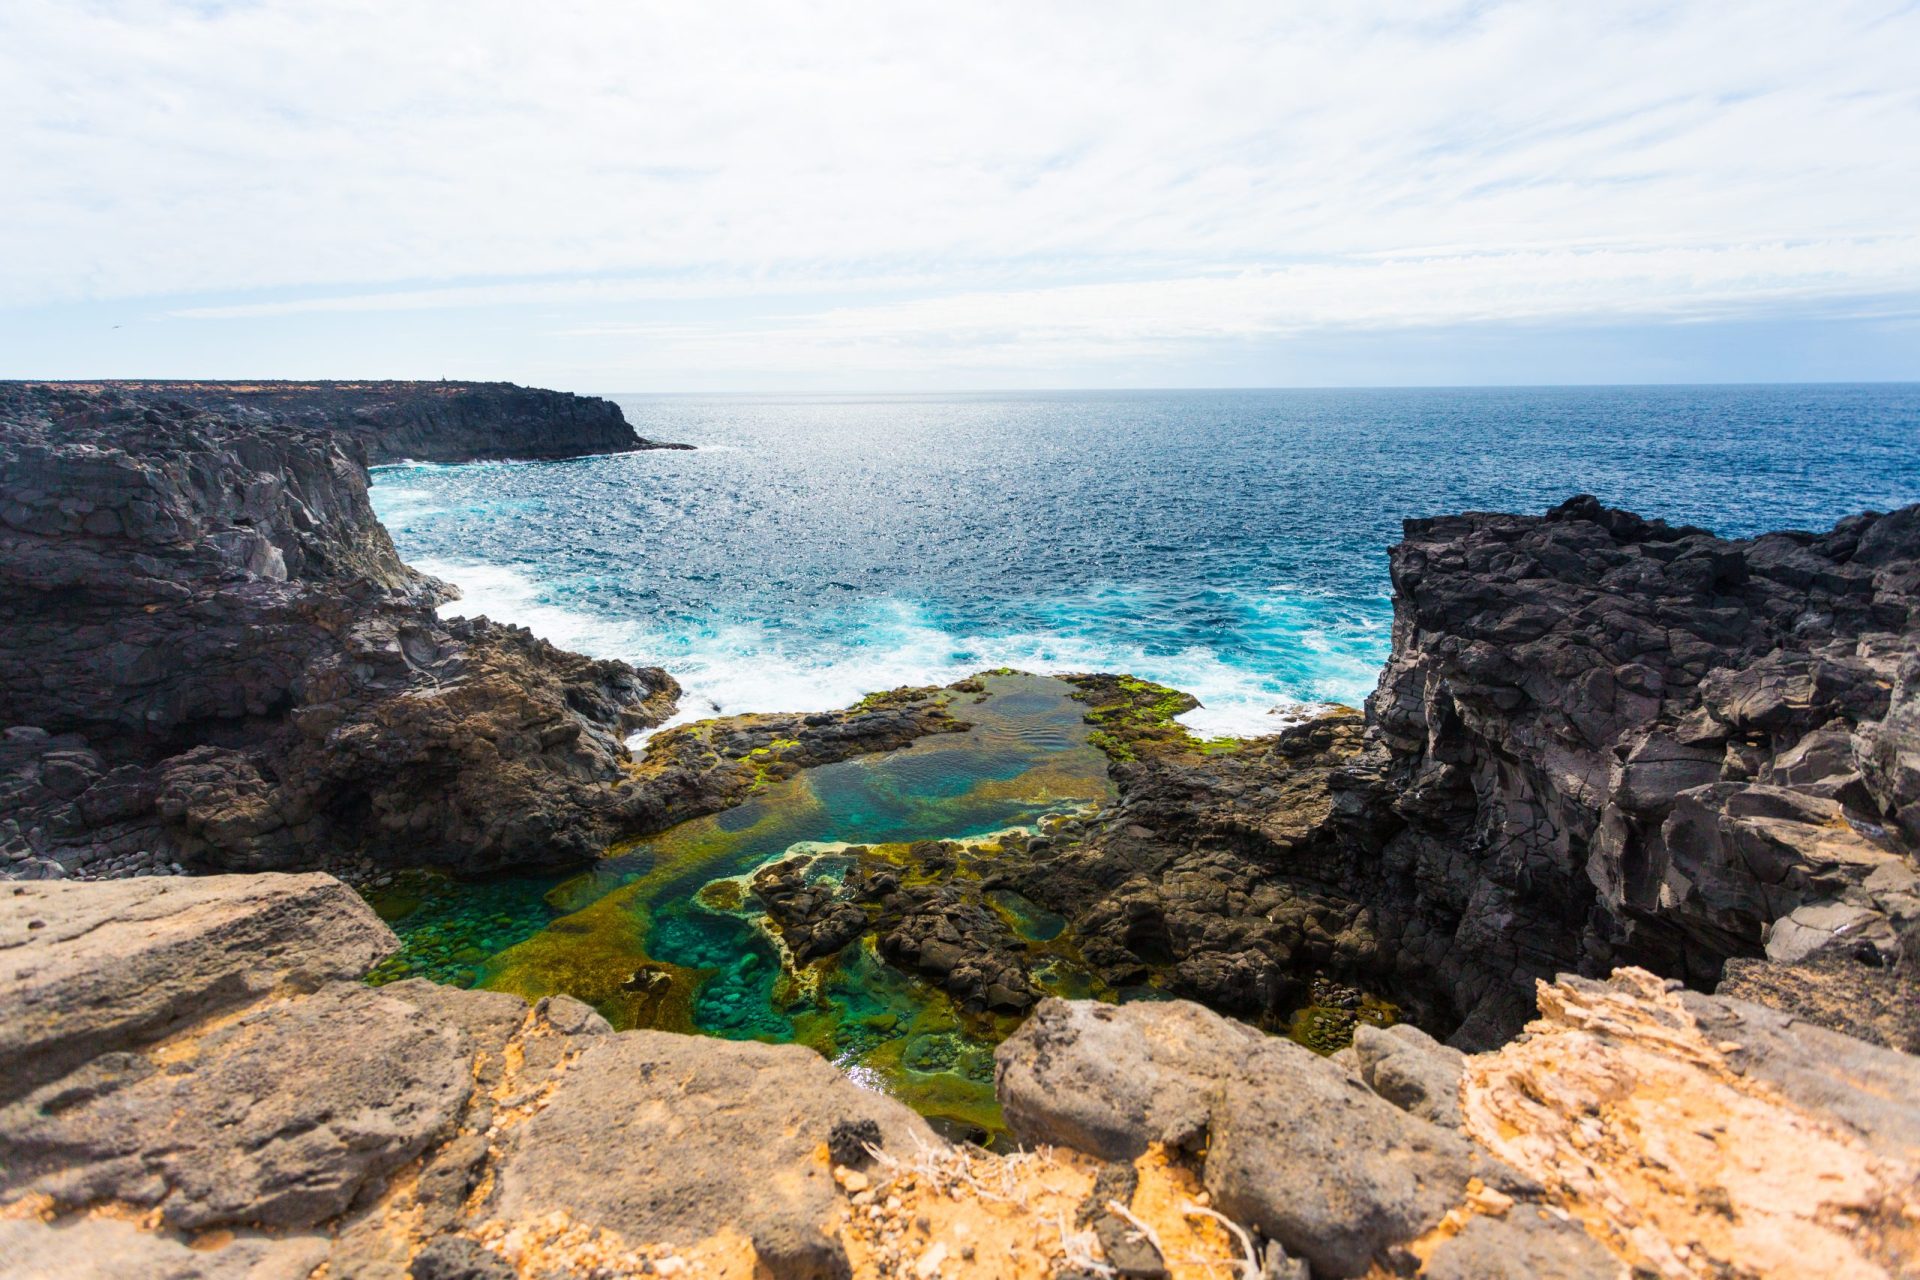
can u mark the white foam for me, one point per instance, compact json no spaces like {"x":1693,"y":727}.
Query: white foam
{"x":741,"y":667}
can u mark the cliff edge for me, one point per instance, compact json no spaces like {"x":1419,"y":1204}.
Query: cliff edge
{"x":216,"y":659}
{"x":445,"y":422}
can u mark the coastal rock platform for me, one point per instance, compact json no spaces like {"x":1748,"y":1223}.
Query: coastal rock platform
{"x":263,"y":1115}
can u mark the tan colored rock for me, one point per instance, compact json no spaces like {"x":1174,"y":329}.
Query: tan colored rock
{"x":89,"y":967}
{"x":1681,"y":1159}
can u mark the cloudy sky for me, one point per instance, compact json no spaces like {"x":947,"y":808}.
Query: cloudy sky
{"x":622,"y":196}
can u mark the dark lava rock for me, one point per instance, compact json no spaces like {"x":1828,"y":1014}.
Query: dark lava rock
{"x":849,"y":1140}
{"x":228,"y":666}
{"x":816,"y":918}
{"x":445,"y":422}
{"x":946,"y":935}
{"x":1600,"y":740}
{"x":1614,"y":741}
{"x":456,"y":1258}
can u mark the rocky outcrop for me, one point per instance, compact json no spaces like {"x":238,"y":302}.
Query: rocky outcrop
{"x":1228,"y":875}
{"x":257,"y":1116}
{"x":1609,"y":740}
{"x":1599,"y":740}
{"x":217,"y":660}
{"x":1634,"y":1126}
{"x":445,"y":422}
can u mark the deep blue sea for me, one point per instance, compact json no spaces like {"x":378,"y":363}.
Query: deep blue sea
{"x":815,"y":548}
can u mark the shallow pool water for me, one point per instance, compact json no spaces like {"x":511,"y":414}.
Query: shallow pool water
{"x":666,"y":932}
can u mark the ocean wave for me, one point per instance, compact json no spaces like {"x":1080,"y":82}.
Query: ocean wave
{"x":732,"y":667}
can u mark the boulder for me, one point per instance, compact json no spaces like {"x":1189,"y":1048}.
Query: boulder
{"x":1295,"y":1146}
{"x":664,"y":1137}
{"x":88,"y":968}
{"x":1412,"y":1070}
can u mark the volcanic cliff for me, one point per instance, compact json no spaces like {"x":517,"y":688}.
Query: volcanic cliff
{"x":1600,"y":740}
{"x":448,"y":422}
{"x":216,"y":660}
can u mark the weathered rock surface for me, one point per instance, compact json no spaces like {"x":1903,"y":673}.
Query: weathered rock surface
{"x":278,"y":1120}
{"x":1412,"y":1070}
{"x":1294,"y":1145}
{"x":216,"y":659}
{"x":1635,"y":1125}
{"x":445,"y":422}
{"x":1600,"y":740}
{"x":1701,"y":1136}
{"x":628,"y":1142}
{"x":109,"y":1249}
{"x":89,"y":968}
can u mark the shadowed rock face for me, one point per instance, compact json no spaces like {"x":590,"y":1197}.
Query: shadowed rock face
{"x":1599,"y":740}
{"x":216,"y":658}
{"x":1613,"y":741}
{"x":447,"y":422}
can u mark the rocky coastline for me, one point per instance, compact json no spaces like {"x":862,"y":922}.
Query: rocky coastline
{"x":218,"y":662}
{"x":442,"y":422}
{"x":193,"y":1086}
{"x":1611,"y":767}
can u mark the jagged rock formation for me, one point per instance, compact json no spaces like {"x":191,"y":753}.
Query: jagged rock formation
{"x":1613,"y":741}
{"x":1599,"y":740}
{"x":216,"y":659}
{"x":447,"y":422}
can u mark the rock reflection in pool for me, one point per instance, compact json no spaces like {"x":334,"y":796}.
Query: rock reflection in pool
{"x":666,"y":933}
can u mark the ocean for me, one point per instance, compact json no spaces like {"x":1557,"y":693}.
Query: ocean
{"x":816,"y":548}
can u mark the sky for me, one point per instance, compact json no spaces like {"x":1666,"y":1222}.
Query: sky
{"x":619,"y":195}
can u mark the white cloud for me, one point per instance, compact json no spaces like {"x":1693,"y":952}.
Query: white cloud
{"x":1073,"y":176}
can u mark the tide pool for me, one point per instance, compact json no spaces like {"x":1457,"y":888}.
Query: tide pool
{"x":666,"y":932}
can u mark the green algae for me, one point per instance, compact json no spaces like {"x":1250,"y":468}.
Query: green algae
{"x":1134,"y":718}
{"x":666,"y":932}
{"x":1329,"y":1028}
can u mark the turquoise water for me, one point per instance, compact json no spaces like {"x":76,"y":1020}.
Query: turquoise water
{"x":1232,"y":544}
{"x":666,"y":933}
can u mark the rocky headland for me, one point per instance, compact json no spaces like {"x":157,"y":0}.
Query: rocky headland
{"x":216,"y":661}
{"x":1599,"y":741}
{"x":1611,"y":767}
{"x":445,"y":422}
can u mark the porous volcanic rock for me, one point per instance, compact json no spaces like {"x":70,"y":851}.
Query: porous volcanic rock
{"x":215,"y":659}
{"x":1599,"y":740}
